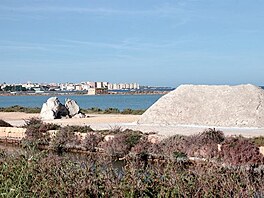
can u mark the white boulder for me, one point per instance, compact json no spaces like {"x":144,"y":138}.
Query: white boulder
{"x":72,"y":107}
{"x":53,"y":109}
{"x":50,"y":108}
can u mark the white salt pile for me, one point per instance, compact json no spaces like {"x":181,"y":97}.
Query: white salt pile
{"x":225,"y":106}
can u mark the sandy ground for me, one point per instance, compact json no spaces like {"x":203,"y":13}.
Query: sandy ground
{"x":110,"y":121}
{"x":18,"y":119}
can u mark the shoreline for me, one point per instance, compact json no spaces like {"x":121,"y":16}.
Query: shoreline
{"x":83,"y":94}
{"x":111,"y":121}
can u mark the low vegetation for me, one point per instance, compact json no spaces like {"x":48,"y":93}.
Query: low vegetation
{"x":259,"y":141}
{"x":239,"y":150}
{"x":17,"y":108}
{"x":113,"y":111}
{"x":37,"y":133}
{"x":160,"y":169}
{"x":48,"y":175}
{"x":210,"y":144}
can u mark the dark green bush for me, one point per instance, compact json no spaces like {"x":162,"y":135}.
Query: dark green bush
{"x":178,"y":154}
{"x":133,"y":111}
{"x":259,"y":141}
{"x":17,"y":108}
{"x":111,"y":111}
{"x":92,"y":110}
{"x":81,"y":129}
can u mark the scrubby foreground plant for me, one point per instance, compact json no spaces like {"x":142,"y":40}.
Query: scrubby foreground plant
{"x":47,"y":175}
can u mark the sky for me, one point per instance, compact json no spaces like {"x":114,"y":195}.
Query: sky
{"x":152,"y":42}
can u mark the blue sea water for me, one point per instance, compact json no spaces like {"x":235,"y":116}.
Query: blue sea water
{"x":84,"y":101}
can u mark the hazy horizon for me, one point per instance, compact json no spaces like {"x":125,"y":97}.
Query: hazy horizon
{"x":152,"y":42}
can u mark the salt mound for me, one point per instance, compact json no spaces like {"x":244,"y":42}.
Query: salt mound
{"x":204,"y":105}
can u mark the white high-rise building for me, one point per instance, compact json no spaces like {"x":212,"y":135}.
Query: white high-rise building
{"x":115,"y":87}
{"x":98,"y":85}
{"x":110,"y":86}
{"x":105,"y":84}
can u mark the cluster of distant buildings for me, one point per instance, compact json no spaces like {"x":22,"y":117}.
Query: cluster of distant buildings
{"x":91,"y":88}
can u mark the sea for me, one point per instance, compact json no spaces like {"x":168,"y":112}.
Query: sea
{"x":85,"y":101}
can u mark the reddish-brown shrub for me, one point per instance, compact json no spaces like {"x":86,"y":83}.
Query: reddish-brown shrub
{"x":117,"y":146}
{"x":65,"y":139}
{"x":122,"y":143}
{"x":239,"y":150}
{"x":172,"y":145}
{"x":36,"y":132}
{"x":205,"y":143}
{"x":92,"y":140}
{"x":143,"y":146}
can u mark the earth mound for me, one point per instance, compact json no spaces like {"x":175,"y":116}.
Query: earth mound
{"x":207,"y":105}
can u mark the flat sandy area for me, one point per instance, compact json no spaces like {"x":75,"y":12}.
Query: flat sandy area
{"x":110,"y":121}
{"x":18,"y":119}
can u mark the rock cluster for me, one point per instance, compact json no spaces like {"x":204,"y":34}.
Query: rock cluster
{"x":53,"y":109}
{"x":225,"y":106}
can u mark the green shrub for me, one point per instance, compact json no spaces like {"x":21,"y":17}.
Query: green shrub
{"x":17,"y":108}
{"x":111,"y":111}
{"x":80,"y":129}
{"x":92,"y":110}
{"x":178,"y":154}
{"x":259,"y":141}
{"x":133,"y":112}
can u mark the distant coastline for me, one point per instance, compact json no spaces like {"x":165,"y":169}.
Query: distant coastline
{"x":121,"y":102}
{"x":72,"y":93}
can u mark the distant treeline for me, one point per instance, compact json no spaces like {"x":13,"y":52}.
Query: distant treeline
{"x":17,"y":108}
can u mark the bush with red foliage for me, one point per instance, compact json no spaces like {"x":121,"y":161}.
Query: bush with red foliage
{"x":65,"y":139}
{"x":144,"y":146}
{"x":205,"y":143}
{"x":177,"y":143}
{"x":240,"y":151}
{"x":36,"y":132}
{"x":92,"y":140}
{"x":122,"y":143}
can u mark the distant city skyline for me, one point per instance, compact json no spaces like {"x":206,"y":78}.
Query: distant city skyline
{"x":152,"y":42}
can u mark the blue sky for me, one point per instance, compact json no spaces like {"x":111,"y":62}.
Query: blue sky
{"x":153,"y":42}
